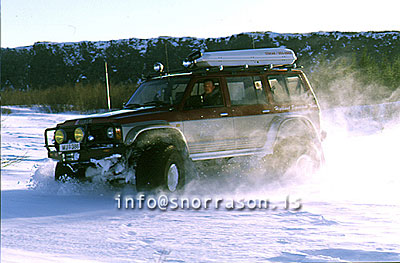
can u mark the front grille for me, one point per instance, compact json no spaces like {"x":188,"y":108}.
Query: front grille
{"x":98,"y":132}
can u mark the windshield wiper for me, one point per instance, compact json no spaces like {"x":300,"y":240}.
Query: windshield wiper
{"x":132,"y":106}
{"x":156,"y":103}
{"x":150,"y":103}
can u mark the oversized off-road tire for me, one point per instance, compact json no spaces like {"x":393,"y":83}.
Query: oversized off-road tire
{"x":298,"y":155}
{"x":161,"y":167}
{"x":63,"y":172}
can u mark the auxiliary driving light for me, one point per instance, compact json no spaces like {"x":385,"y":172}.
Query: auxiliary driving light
{"x":79,"y":134}
{"x":60,"y":136}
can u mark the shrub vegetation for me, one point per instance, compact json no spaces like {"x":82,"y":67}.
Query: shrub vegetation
{"x":365,"y":66}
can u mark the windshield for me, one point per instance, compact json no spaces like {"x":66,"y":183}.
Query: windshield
{"x":161,"y":92}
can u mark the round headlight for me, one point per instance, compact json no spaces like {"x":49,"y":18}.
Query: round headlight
{"x":110,"y":132}
{"x":79,"y":134}
{"x":60,"y":136}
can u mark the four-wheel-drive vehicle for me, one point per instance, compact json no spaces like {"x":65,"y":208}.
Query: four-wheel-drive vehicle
{"x":227,"y":104}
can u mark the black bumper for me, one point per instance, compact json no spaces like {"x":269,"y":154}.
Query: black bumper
{"x":87,"y":152}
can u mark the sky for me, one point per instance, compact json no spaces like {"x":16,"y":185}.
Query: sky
{"x":24,"y":22}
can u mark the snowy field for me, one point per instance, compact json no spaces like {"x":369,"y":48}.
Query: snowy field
{"x":350,"y":210}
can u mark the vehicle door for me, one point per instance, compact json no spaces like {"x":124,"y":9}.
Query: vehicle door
{"x":250,"y":109}
{"x":208,"y":127}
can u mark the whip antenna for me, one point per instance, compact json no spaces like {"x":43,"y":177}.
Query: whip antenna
{"x":108,"y":88}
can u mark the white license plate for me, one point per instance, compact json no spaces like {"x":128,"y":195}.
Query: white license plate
{"x":70,"y":147}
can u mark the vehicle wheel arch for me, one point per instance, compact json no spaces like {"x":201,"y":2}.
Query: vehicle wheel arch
{"x":296,"y":126}
{"x":299,"y":135}
{"x":152,"y":149}
{"x":283,"y":127}
{"x":150,"y":136}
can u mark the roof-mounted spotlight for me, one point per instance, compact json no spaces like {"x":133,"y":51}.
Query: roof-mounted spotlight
{"x":190,"y":61}
{"x":158,"y":67}
{"x":187,"y":64}
{"x":194,"y":55}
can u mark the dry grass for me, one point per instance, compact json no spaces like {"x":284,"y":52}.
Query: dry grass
{"x":79,"y":97}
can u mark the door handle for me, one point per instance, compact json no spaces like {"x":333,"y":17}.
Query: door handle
{"x":266,"y":111}
{"x":223,"y":114}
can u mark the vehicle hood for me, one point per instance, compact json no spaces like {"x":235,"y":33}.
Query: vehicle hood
{"x":114,"y":116}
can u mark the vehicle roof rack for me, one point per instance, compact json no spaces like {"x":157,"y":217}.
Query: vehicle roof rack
{"x":263,"y":57}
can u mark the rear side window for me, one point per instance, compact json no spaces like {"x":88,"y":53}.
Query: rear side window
{"x":286,"y":89}
{"x":246,"y":90}
{"x":279,"y":89}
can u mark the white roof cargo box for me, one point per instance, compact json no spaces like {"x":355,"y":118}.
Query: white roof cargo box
{"x":249,"y":57}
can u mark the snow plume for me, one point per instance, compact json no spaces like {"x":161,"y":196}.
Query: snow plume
{"x":42,"y":180}
{"x":110,"y":168}
{"x":363,"y":168}
{"x":362,"y":122}
{"x":241,"y":179}
{"x":337,"y":84}
{"x":360,"y":164}
{"x":42,"y":176}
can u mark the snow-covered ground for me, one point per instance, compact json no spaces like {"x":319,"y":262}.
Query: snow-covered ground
{"x":350,"y":209}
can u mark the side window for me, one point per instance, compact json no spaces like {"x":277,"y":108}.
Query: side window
{"x":246,"y":90}
{"x":205,"y":93}
{"x":178,"y":89}
{"x":296,"y":89}
{"x":279,"y":89}
{"x":288,"y":89}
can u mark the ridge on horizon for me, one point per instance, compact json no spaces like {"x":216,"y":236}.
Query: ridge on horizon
{"x":46,"y":64}
{"x":271,"y":34}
